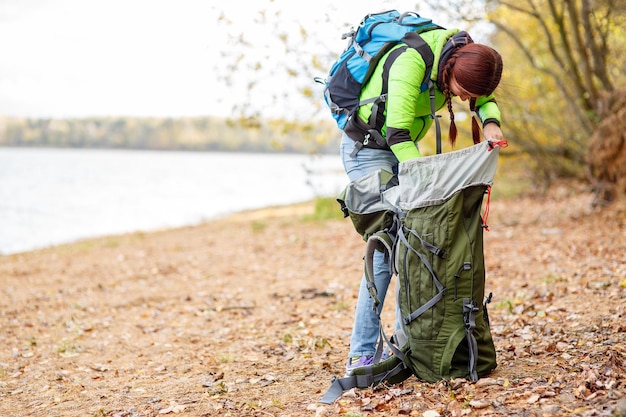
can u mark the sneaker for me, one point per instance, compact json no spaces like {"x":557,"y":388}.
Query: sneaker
{"x":358,"y":361}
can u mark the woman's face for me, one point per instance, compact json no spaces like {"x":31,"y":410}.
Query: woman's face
{"x":459,"y":91}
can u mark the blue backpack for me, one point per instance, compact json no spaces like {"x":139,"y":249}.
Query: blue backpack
{"x":375,"y":36}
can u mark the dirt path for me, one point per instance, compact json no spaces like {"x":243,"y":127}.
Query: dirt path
{"x":251,"y":316}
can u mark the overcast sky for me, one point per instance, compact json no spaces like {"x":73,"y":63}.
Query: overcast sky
{"x":81,"y":58}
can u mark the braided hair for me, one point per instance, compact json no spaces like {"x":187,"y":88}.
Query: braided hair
{"x":477,"y":69}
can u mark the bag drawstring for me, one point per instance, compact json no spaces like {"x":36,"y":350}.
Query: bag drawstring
{"x":485,"y":216}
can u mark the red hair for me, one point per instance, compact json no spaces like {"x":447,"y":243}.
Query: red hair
{"x":477,"y":69}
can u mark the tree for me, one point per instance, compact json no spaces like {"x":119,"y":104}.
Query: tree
{"x":278,"y":56}
{"x":563,"y":59}
{"x":284,"y":46}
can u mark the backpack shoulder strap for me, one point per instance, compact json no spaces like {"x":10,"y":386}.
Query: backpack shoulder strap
{"x":382,"y":240}
{"x":415,"y":41}
{"x":378,"y":112}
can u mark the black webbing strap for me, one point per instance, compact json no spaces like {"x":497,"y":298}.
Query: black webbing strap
{"x":440,"y":288}
{"x":340,"y":385}
{"x":377,"y":118}
{"x":415,"y":41}
{"x":434,"y":116}
{"x":469,"y":317}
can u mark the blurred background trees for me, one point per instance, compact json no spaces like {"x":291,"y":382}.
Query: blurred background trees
{"x":182,"y":134}
{"x":562,"y":93}
{"x":564,"y":77}
{"x":564,"y":62}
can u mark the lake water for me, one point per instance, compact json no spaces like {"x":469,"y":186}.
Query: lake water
{"x":52,"y":196}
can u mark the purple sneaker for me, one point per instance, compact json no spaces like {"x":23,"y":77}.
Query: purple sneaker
{"x":357,"y":362}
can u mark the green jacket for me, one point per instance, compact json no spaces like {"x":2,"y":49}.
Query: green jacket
{"x":407,"y":116}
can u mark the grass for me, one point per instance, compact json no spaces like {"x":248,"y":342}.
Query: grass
{"x":325,"y":208}
{"x":68,"y":349}
{"x":258,"y":226}
{"x":227,"y":359}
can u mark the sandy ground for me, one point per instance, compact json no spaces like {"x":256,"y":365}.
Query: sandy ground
{"x":251,"y":316}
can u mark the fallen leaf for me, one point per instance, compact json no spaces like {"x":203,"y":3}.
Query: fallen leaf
{"x":479,"y":404}
{"x":486,"y":382}
{"x":312,"y":407}
{"x":174,"y":408}
{"x":533,"y":398}
{"x":350,"y":393}
{"x":454,"y":408}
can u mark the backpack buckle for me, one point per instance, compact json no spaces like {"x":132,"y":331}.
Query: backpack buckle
{"x":377,"y":136}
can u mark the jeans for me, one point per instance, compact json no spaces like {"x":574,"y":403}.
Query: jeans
{"x":366,"y":326}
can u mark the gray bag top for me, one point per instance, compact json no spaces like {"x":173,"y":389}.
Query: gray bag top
{"x":364,"y":195}
{"x":431,"y":180}
{"x":425,"y":181}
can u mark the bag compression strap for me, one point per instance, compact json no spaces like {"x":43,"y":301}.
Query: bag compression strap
{"x":440,"y":288}
{"x":469,"y":317}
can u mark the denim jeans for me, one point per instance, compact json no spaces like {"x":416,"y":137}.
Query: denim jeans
{"x":366,"y":326}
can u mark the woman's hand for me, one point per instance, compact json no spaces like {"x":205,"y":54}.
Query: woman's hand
{"x":491,"y":131}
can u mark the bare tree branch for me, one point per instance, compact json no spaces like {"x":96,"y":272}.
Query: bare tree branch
{"x":554,"y":51}
{"x":583,"y":51}
{"x":572,"y":70}
{"x":598,"y":44}
{"x":551,"y":72}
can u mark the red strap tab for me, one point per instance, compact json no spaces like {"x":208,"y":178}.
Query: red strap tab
{"x":485,"y":216}
{"x":500,"y":143}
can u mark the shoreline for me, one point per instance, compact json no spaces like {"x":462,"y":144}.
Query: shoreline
{"x":252,"y":314}
{"x":300,"y":209}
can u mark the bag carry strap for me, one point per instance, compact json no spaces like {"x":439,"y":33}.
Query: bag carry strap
{"x":392,"y":370}
{"x":434,"y":115}
{"x":372,"y":242}
{"x":387,"y":238}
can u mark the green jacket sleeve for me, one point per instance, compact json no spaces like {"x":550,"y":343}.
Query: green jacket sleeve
{"x":405,"y":151}
{"x":488,"y":110}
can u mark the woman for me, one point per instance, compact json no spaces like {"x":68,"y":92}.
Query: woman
{"x":463,"y":69}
